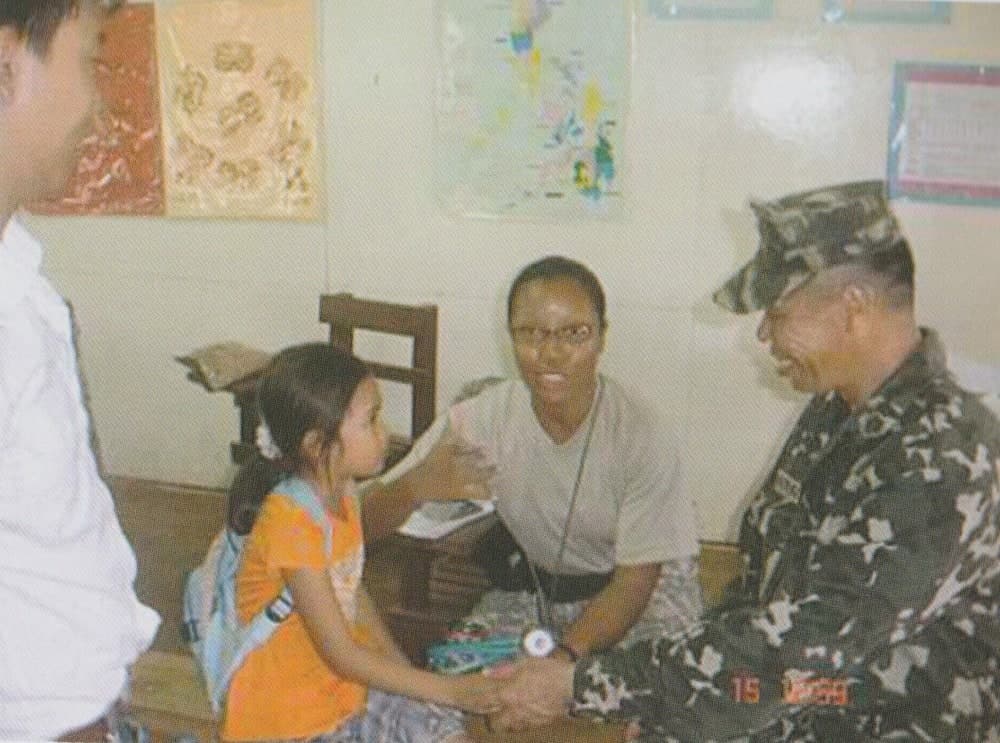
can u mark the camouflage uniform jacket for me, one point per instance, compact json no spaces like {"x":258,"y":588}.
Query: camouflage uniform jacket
{"x":869,"y":607}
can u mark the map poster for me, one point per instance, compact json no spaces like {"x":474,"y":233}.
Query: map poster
{"x":240,"y":109}
{"x":120,"y":167}
{"x":742,"y":10}
{"x":530,"y":107}
{"x":944,"y":142}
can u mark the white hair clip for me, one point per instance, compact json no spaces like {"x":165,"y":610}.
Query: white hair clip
{"x":265,"y":444}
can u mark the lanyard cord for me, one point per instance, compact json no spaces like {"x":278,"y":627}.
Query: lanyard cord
{"x":542,"y":605}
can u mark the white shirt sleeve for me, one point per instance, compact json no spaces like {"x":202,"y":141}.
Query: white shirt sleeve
{"x":72,"y":624}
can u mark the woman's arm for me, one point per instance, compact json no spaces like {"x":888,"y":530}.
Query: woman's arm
{"x":317,"y":604}
{"x":440,"y":466}
{"x":613,"y":611}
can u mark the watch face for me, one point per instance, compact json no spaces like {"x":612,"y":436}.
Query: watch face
{"x":538,"y":642}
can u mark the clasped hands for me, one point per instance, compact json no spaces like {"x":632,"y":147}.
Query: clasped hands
{"x":528,"y":692}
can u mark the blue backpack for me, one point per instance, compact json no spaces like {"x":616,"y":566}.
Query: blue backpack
{"x":219,"y":642}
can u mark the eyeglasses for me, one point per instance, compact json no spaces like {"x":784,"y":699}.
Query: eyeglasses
{"x":571,"y":335}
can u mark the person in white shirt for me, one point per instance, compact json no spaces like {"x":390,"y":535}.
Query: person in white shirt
{"x":71,"y":623}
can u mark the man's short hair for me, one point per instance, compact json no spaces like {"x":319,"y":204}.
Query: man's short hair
{"x":37,"y":21}
{"x":890,"y":274}
{"x":805,"y":233}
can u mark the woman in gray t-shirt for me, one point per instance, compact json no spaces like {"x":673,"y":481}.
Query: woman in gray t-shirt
{"x":586,"y":479}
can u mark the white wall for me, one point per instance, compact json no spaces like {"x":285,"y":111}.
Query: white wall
{"x":719,"y":111}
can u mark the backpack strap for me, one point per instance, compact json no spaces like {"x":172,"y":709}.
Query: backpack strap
{"x":244,"y":639}
{"x":304,"y":496}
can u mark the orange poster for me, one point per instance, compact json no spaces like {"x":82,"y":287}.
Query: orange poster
{"x":120,"y":168}
{"x":240,"y":112}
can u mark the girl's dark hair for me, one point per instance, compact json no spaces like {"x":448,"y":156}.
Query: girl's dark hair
{"x":558,"y":267}
{"x":304,"y":387}
{"x":37,"y":21}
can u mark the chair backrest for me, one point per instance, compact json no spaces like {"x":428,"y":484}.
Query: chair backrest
{"x":345,"y":313}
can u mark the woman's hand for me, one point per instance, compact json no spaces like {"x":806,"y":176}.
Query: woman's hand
{"x":451,"y":469}
{"x":454,"y":469}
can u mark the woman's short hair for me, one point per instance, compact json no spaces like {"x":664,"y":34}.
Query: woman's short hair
{"x":559,"y":267}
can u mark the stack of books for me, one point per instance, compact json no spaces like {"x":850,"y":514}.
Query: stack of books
{"x":472,"y":645}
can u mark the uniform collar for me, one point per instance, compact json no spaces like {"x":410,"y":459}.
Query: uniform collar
{"x":927,"y":362}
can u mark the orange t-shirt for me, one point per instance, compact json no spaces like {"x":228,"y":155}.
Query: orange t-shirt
{"x":285,"y":689}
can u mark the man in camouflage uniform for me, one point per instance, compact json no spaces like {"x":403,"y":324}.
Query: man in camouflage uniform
{"x":869,"y":606}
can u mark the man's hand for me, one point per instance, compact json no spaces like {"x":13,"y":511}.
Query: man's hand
{"x":535,"y":691}
{"x":454,"y":469}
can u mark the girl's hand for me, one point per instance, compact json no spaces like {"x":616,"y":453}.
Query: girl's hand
{"x":476,"y":693}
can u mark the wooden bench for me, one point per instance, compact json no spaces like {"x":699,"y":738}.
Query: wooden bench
{"x":169,"y":698}
{"x":170,"y":527}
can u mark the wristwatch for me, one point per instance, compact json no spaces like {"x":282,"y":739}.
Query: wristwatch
{"x":538,"y":642}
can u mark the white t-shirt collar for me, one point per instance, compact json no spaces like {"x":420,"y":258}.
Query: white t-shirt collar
{"x":20,"y":262}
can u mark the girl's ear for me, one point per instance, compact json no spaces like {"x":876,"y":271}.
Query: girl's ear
{"x":315,"y":447}
{"x":312,"y":446}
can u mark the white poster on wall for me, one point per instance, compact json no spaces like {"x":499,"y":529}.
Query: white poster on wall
{"x":944,"y":143}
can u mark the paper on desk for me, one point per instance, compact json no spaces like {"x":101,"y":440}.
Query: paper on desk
{"x":435,"y":519}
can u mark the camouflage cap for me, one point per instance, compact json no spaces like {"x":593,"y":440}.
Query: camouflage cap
{"x":806,"y":232}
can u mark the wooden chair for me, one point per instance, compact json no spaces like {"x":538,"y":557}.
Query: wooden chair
{"x":345,"y":314}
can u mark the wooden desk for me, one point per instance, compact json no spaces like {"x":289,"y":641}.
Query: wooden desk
{"x":423,"y":584}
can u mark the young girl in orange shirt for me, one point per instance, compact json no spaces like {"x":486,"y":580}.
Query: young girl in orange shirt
{"x":330,"y":672}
